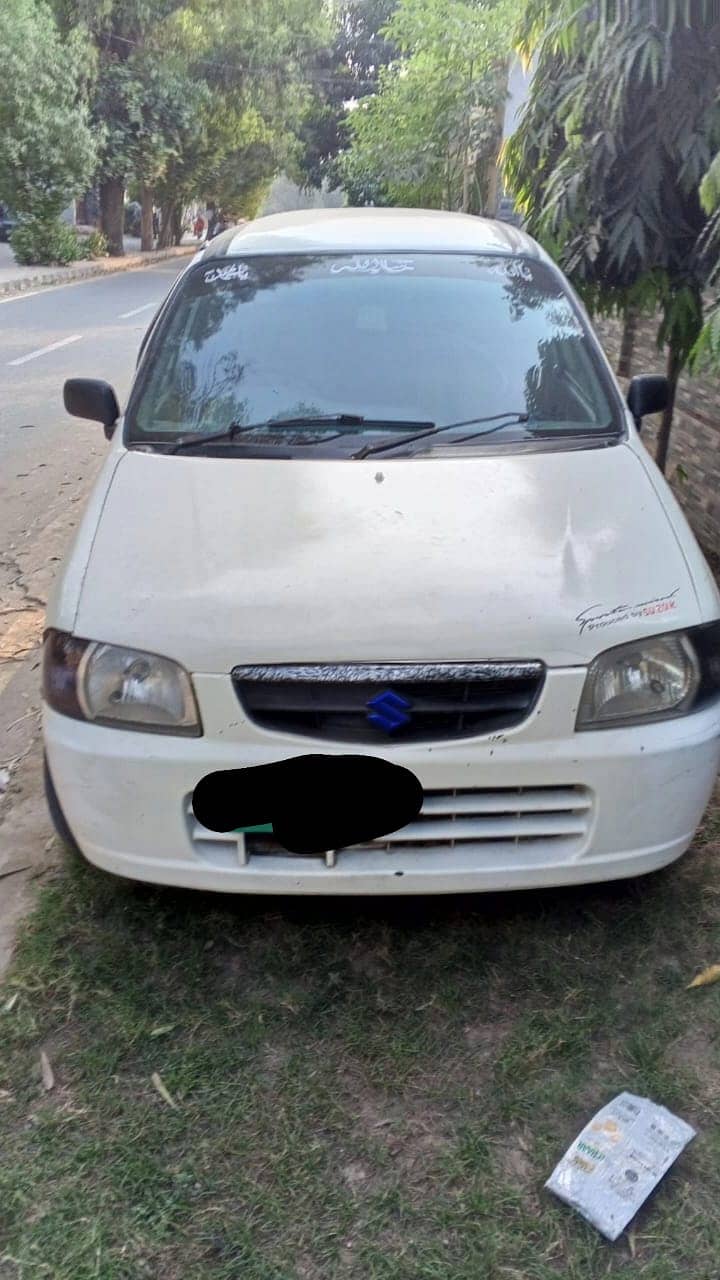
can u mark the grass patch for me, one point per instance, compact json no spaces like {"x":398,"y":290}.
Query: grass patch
{"x":367,"y":1090}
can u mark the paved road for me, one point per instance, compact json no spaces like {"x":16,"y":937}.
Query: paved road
{"x":48,"y":462}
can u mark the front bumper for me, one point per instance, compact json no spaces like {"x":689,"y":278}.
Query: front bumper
{"x":125,"y":796}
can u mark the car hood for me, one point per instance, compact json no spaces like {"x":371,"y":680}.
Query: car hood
{"x":216,"y":561}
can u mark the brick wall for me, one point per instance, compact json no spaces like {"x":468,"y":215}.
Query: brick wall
{"x":695,"y":439}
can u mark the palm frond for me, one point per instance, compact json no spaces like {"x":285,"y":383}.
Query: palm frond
{"x":710,"y":186}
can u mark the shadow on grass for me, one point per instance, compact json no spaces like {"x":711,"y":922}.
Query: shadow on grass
{"x":567,"y":905}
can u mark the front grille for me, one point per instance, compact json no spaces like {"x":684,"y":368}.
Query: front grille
{"x":445,"y":700}
{"x":549,"y":822}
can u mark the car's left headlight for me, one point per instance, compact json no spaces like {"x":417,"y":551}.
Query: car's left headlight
{"x":656,"y":678}
{"x":110,"y":685}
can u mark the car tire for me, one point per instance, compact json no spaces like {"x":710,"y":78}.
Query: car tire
{"x":58,"y":817}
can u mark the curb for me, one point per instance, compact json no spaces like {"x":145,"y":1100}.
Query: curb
{"x":103,"y":267}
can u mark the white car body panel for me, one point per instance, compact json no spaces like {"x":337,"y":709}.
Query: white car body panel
{"x":126,"y":797}
{"x":383,"y":559}
{"x":377,"y":231}
{"x":65,"y":592}
{"x":495,"y":553}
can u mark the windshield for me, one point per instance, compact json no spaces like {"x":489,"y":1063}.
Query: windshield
{"x":395,"y":339}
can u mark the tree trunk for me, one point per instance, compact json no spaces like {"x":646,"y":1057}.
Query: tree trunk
{"x":673,"y":370}
{"x":166,"y":226}
{"x":493,"y":191}
{"x":177,"y":226}
{"x":492,"y":187}
{"x":627,"y":344}
{"x":112,"y":195}
{"x":146,"y":219}
{"x":466,"y":182}
{"x":468,"y":157}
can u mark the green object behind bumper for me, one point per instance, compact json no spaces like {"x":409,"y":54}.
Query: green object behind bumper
{"x":266,"y":826}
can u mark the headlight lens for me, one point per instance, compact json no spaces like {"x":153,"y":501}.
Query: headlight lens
{"x":111,"y":685}
{"x":650,"y":679}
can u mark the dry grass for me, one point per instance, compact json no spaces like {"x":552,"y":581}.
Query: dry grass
{"x":365,"y":1090}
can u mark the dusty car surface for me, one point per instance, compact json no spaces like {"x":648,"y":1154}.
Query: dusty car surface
{"x":376,"y":490}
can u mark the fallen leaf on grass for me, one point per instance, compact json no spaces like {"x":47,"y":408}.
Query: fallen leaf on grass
{"x":711,"y":974}
{"x":48,"y":1076}
{"x":162,"y":1031}
{"x":427,"y":1005}
{"x":9,"y":1005}
{"x":167,"y":1097}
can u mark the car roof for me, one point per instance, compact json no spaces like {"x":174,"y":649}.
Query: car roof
{"x":369,"y":230}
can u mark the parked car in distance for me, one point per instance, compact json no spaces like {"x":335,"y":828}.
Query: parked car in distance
{"x":8,"y":222}
{"x":376,"y":490}
{"x":131,"y":218}
{"x":507,"y":212}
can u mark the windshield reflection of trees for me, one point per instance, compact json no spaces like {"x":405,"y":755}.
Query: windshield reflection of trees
{"x":199,"y":382}
{"x":553,"y":390}
{"x":552,"y":393}
{"x":200,"y":387}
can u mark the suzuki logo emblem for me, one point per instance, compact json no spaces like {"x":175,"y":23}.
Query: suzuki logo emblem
{"x":388,"y":710}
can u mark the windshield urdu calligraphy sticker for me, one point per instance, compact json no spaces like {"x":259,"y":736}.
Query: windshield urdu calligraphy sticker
{"x":232,"y":271}
{"x":598,"y":616}
{"x":374,"y":266}
{"x":509,"y":269}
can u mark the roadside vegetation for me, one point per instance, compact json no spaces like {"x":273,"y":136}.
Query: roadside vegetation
{"x":614,"y":163}
{"x":395,"y":102}
{"x":294,"y":1090}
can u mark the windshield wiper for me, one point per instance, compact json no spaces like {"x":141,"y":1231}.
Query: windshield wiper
{"x":508,"y":419}
{"x":345,"y":420}
{"x":236,"y":429}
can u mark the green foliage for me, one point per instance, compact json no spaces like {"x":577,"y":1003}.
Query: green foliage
{"x":621,"y":125}
{"x":710,"y":186}
{"x":93,"y":246}
{"x":47,"y":150}
{"x":257,"y":58}
{"x":46,"y":241}
{"x":706,"y":351}
{"x":194,"y":99}
{"x":135,"y":89}
{"x":428,"y":134}
{"x":345,"y":71}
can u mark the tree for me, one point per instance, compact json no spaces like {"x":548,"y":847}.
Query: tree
{"x":707,"y":348}
{"x":342,"y":73}
{"x":610,"y":190}
{"x":124,"y":33}
{"x":47,"y":151}
{"x":228,"y":157}
{"x":431,"y":134}
{"x":157,"y":127}
{"x":246,"y":74}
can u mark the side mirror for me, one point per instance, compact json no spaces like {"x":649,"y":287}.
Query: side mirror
{"x":93,"y":399}
{"x":648,"y":393}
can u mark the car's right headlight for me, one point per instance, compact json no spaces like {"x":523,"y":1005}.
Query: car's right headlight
{"x":656,"y":678}
{"x":123,"y":688}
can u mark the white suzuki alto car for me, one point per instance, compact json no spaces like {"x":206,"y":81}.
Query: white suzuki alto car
{"x":378,"y":457}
